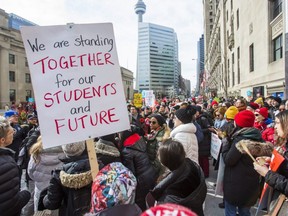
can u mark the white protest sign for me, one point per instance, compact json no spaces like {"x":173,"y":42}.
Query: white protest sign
{"x":76,"y":80}
{"x":149,"y":98}
{"x":215,"y":145}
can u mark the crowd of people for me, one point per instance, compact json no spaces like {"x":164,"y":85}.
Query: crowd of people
{"x":163,"y":158}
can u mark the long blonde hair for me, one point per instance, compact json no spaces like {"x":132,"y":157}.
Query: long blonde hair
{"x":36,"y":149}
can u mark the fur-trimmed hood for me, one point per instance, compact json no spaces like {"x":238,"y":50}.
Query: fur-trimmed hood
{"x":257,"y":149}
{"x":75,"y":181}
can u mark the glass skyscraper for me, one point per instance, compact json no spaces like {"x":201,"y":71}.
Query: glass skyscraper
{"x":158,"y":68}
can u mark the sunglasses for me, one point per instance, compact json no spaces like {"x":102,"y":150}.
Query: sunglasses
{"x":281,"y":110}
{"x":256,"y":114}
{"x":217,"y":115}
{"x":153,"y":122}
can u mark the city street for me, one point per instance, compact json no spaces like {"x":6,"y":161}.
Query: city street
{"x":212,"y":201}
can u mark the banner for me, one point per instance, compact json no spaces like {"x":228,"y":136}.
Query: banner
{"x":215,"y":145}
{"x":77,"y":81}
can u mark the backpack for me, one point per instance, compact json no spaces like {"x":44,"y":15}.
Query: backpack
{"x":113,"y":185}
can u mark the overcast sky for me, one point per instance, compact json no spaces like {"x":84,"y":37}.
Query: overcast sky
{"x":184,"y":16}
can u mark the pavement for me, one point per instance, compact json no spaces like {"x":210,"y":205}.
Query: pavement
{"x":211,"y":203}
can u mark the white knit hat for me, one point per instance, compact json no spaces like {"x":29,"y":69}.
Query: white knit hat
{"x":74,"y":149}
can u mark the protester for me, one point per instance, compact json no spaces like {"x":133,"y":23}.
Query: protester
{"x":113,"y":186}
{"x":252,"y":106}
{"x":41,"y":165}
{"x":260,"y":118}
{"x":159,"y":130}
{"x":12,"y":199}
{"x":70,"y":187}
{"x":107,"y":149}
{"x":240,"y":195}
{"x":277,"y":179}
{"x":241,"y":104}
{"x":219,"y":117}
{"x":185,"y":130}
{"x":205,"y":145}
{"x":185,"y":185}
{"x":135,"y":158}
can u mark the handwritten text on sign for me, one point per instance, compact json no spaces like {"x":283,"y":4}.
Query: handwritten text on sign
{"x":76,"y":80}
{"x":215,"y":146}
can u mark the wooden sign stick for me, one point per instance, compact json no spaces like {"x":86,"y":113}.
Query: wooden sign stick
{"x":92,"y":158}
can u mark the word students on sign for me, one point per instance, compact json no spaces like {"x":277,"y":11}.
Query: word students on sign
{"x":77,"y":81}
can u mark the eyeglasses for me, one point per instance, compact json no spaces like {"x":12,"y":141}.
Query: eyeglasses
{"x":281,"y":110}
{"x":256,"y":114}
{"x":153,"y":122}
{"x":217,"y":115}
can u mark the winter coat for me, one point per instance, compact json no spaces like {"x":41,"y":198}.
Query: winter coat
{"x":185,"y":134}
{"x":135,"y":158}
{"x":41,"y":172}
{"x":184,"y":186}
{"x":19,"y":136}
{"x":239,"y":175}
{"x":268,"y":134}
{"x":107,"y":152}
{"x":70,"y":187}
{"x":12,"y":200}
{"x":260,"y":126}
{"x":205,"y":145}
{"x":153,"y":141}
{"x":279,"y":180}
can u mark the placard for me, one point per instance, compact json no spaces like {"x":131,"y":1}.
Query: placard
{"x":77,"y":81}
{"x":137,"y":100}
{"x":215,"y":145}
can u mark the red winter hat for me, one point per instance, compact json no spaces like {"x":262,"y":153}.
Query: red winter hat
{"x":244,"y":118}
{"x":168,"y":209}
{"x":253,"y":105}
{"x":214,"y":102}
{"x":263,"y":111}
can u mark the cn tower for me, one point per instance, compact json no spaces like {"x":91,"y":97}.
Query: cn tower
{"x":140,"y":9}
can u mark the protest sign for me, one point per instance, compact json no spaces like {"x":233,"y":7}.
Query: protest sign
{"x":215,"y":145}
{"x":137,"y":100}
{"x":149,"y":98}
{"x":76,"y":80}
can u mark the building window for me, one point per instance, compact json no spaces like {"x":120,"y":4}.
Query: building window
{"x":28,"y":94}
{"x":26,"y":62}
{"x":277,"y":8}
{"x":277,"y":48}
{"x":12,"y":76}
{"x":251,"y":57}
{"x":11,"y":59}
{"x":238,"y":65}
{"x":27,"y":78}
{"x":210,"y":13}
{"x":231,"y":5}
{"x":211,"y":20}
{"x":237,"y":18}
{"x":12,"y":95}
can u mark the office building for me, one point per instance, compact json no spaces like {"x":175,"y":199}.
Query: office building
{"x":157,"y":59}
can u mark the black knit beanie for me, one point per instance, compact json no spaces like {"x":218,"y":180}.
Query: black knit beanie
{"x":185,"y":115}
{"x":161,"y":121}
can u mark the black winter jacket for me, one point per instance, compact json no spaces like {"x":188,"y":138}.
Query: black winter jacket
{"x":239,"y":175}
{"x":70,"y":188}
{"x":12,"y":200}
{"x":135,"y":158}
{"x":279,"y":180}
{"x":205,"y":145}
{"x":184,"y":186}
